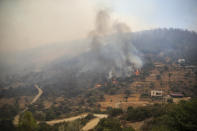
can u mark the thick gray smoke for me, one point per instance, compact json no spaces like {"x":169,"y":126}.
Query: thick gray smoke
{"x":111,"y":47}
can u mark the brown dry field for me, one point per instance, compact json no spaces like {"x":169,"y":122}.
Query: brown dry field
{"x":47,"y":104}
{"x":7,"y":101}
{"x":138,"y":87}
{"x":118,"y":101}
{"x":23,"y":100}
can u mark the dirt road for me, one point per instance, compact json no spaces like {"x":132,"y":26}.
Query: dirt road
{"x":16,"y":118}
{"x":92,"y":123}
{"x":38,"y":95}
{"x":52,"y":122}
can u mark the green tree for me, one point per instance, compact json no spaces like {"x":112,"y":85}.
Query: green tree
{"x":73,"y":126}
{"x":44,"y":127}
{"x":27,"y":122}
{"x":114,"y":111}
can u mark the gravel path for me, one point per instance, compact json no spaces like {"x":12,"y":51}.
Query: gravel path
{"x":16,"y":118}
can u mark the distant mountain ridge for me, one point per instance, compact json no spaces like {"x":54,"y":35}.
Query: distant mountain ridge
{"x":176,"y":43}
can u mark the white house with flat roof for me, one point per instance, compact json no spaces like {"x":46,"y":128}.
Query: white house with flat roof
{"x":156,"y":93}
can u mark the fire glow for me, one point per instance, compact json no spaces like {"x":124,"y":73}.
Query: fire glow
{"x":137,"y":73}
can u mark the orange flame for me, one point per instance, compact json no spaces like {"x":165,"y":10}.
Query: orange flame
{"x":114,"y":82}
{"x":98,"y":85}
{"x":137,"y":72}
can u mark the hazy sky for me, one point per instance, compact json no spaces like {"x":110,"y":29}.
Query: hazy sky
{"x":32,"y":23}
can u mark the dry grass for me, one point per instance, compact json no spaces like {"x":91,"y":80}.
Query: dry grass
{"x":47,"y":104}
{"x":7,"y":101}
{"x":135,"y":125}
{"x":22,"y":102}
{"x":177,"y":100}
{"x":118,"y":101}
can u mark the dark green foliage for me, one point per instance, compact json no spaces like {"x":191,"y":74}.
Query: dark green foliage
{"x":6,"y":125}
{"x":128,"y":129}
{"x":87,"y":118}
{"x":111,"y":124}
{"x":144,"y":95}
{"x":185,"y":114}
{"x":142,"y":113}
{"x":181,"y":117}
{"x":27,"y":122}
{"x":67,"y":126}
{"x":17,"y":92}
{"x":108,"y":124}
{"x":114,"y":111}
{"x":44,"y":127}
{"x":137,"y":114}
{"x":8,"y":111}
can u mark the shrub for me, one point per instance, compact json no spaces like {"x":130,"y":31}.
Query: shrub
{"x":114,"y":111}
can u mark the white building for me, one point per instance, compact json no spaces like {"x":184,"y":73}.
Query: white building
{"x":181,"y":61}
{"x":156,"y":93}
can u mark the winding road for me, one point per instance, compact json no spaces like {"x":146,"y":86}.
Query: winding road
{"x":16,"y":118}
{"x":38,"y":95}
{"x":90,"y":125}
{"x":52,"y":122}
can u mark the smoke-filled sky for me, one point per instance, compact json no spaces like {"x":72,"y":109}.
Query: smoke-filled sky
{"x":31,"y":23}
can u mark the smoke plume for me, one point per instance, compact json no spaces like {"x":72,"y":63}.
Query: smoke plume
{"x":111,"y":47}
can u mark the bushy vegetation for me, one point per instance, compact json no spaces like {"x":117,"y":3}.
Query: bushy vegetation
{"x":114,"y":111}
{"x":27,"y":122}
{"x":180,"y":117}
{"x":87,"y":118}
{"x":6,"y":125}
{"x":7,"y":112}
{"x":17,"y":92}
{"x":142,"y":113}
{"x":111,"y":124}
{"x":169,"y":117}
